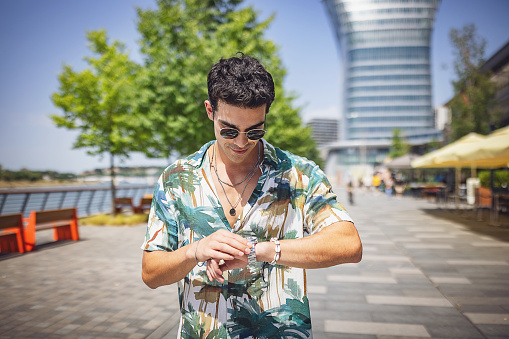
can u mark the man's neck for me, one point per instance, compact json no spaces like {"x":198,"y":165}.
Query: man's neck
{"x":231,"y":169}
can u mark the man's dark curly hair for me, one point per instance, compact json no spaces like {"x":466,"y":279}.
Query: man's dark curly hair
{"x":240,"y":81}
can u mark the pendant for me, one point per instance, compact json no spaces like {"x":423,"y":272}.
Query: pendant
{"x":232,"y":212}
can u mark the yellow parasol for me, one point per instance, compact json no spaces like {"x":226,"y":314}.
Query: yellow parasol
{"x":447,"y":155}
{"x":491,"y":152}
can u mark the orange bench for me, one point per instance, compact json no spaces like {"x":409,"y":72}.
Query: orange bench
{"x":11,"y":233}
{"x":64,"y":223}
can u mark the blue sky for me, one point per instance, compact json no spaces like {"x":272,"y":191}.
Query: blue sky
{"x":38,"y":37}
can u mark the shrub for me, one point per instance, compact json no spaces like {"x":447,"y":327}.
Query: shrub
{"x":117,"y":220}
{"x":500,"y":180}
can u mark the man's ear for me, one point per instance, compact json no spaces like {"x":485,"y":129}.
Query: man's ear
{"x":208,"y":108}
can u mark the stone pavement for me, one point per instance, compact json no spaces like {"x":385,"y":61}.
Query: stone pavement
{"x":425,"y":273}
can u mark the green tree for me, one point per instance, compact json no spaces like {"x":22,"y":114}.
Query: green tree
{"x":181,"y":40}
{"x":96,"y":101}
{"x":399,"y":146}
{"x":473,"y":105}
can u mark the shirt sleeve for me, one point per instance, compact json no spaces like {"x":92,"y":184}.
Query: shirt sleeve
{"x":322,"y":208}
{"x":162,"y":229}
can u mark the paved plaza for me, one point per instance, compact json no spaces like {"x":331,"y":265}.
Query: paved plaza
{"x":425,"y":273}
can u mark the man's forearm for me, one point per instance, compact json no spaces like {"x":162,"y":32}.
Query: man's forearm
{"x":161,"y":268}
{"x":336,"y":244}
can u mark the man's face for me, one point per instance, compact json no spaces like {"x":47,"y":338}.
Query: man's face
{"x":240,"y":149}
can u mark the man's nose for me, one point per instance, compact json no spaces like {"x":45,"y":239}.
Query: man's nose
{"x":242,"y":140}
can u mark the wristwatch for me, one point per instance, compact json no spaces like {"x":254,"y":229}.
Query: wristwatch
{"x":251,"y":257}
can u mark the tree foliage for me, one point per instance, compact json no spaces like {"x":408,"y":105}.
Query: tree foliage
{"x":25,"y":174}
{"x":181,"y":41}
{"x":96,"y":101}
{"x":399,"y":146}
{"x":473,"y":105}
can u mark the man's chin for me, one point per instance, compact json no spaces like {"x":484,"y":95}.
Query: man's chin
{"x":239,"y":156}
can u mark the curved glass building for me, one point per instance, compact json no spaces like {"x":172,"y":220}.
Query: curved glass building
{"x":385,"y":47}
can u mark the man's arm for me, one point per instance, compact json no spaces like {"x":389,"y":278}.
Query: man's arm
{"x":336,"y":244}
{"x":164,"y":268}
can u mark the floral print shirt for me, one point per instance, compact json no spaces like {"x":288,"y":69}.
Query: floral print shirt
{"x":292,"y":199}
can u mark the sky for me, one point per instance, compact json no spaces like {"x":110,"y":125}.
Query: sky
{"x":38,"y":37}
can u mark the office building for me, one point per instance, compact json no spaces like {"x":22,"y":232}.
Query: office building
{"x":385,"y":51}
{"x":324,"y":131}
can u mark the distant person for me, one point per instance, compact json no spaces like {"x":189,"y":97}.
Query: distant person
{"x":376,"y":181}
{"x":236,"y":223}
{"x":350,"y":192}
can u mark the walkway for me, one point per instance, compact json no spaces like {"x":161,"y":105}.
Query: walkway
{"x":425,"y":273}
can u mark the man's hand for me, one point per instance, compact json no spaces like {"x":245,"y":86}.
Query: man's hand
{"x":222,"y":245}
{"x":215,"y":268}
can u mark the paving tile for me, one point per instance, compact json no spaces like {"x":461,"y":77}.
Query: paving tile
{"x":385,"y":258}
{"x":405,"y":271}
{"x":405,"y":239}
{"x":467,"y":300}
{"x":358,"y":327}
{"x":463,"y":331}
{"x":450,"y":280}
{"x":490,"y":244}
{"x":478,"y":262}
{"x":489,"y":318}
{"x":368,"y":241}
{"x":430,"y":246}
{"x":434,"y":236}
{"x":403,"y":300}
{"x":317,"y":289}
{"x":425,"y":229}
{"x":362,"y":279}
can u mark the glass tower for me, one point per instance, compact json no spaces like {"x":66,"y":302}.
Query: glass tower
{"x":385,"y":47}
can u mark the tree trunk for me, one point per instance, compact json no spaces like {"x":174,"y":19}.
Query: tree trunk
{"x":113,"y":189}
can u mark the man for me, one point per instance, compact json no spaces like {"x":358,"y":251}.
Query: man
{"x":236,"y":223}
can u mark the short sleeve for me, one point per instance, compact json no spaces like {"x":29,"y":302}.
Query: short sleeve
{"x":321,"y":208}
{"x":162,"y":229}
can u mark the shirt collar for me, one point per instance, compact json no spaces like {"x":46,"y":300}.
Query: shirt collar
{"x":197,"y":159}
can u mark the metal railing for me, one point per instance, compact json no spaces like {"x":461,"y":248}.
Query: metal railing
{"x":88,"y":200}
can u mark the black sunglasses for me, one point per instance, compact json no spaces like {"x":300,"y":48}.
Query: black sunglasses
{"x":232,"y":133}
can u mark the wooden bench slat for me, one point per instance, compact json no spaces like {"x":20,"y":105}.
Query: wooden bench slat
{"x":54,"y":215}
{"x":9,"y":220}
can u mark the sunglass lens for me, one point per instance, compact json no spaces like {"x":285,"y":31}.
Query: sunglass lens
{"x":256,"y":134}
{"x":229,"y":133}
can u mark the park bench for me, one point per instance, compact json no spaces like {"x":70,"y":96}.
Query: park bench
{"x":127,"y":203}
{"x":11,"y":233}
{"x":124,"y":203}
{"x":145,"y":205}
{"x":64,"y":223}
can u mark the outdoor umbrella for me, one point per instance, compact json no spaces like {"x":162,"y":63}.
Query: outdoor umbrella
{"x":491,"y":152}
{"x":446,"y":157}
{"x":402,"y":162}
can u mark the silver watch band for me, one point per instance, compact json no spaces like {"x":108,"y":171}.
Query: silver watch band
{"x":251,"y":257}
